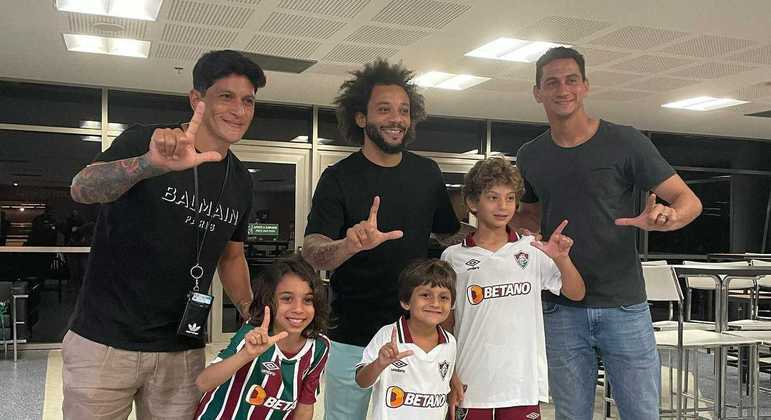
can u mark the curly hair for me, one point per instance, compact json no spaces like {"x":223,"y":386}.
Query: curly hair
{"x":488,"y":173}
{"x":264,"y":289}
{"x":355,"y":94}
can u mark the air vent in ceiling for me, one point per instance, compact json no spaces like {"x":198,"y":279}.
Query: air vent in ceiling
{"x":282,"y":64}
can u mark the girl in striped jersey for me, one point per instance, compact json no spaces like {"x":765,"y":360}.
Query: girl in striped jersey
{"x":271,"y":369}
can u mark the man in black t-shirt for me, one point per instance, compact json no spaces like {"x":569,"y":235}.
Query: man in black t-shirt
{"x":372,"y":213}
{"x":591,"y":172}
{"x":175,"y":204}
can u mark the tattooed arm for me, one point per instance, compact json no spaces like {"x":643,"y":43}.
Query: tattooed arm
{"x":170,"y":149}
{"x":448,"y":239}
{"x":324,"y":253}
{"x":104,"y":182}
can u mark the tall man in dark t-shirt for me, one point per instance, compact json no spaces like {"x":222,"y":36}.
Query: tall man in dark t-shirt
{"x":372,"y":213}
{"x":590,"y":172}
{"x":175,"y":203}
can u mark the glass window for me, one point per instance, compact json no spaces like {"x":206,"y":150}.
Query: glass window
{"x":281,"y":123}
{"x":50,"y":105}
{"x":450,"y":135}
{"x":36,"y":171}
{"x":713,"y":152}
{"x":129,"y":108}
{"x":507,"y":138}
{"x":328,"y":132}
{"x":709,"y":232}
{"x":271,"y":224}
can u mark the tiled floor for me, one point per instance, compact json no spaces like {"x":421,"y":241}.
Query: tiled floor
{"x":31,"y":388}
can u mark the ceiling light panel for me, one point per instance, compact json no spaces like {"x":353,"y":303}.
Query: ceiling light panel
{"x":441,"y":80}
{"x":703,"y":103}
{"x":131,"y":9}
{"x":512,"y":49}
{"x":109,"y":46}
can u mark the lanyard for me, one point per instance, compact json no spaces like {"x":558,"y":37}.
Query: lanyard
{"x":196,"y":271}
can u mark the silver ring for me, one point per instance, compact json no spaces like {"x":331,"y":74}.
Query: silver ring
{"x":196,"y":271}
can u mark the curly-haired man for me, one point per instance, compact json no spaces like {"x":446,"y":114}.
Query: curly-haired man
{"x":372,"y":213}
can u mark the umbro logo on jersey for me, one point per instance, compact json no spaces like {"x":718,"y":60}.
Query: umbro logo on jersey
{"x":522,"y":259}
{"x":476,"y":294}
{"x":399,"y":364}
{"x":269,"y":368}
{"x":472,"y":264}
{"x":444,"y":367}
{"x":533,"y":416}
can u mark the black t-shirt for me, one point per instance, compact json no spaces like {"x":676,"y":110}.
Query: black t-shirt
{"x":591,"y":185}
{"x":413,"y":199}
{"x":137,"y":280}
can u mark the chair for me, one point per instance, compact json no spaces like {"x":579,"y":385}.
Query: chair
{"x":763,"y":283}
{"x":661,"y":285}
{"x":708,"y":283}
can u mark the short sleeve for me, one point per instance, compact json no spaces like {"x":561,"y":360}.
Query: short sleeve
{"x":445,"y":220}
{"x":310,"y":387}
{"x":373,"y":348}
{"x":550,"y":276}
{"x":327,"y":209}
{"x":133,"y":142}
{"x":235,"y":343}
{"x":645,"y":166}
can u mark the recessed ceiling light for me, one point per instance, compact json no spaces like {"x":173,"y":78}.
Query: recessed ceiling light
{"x":252,"y":170}
{"x":15,"y":184}
{"x":512,"y":49}
{"x":450,"y":81}
{"x":703,"y":103}
{"x":110,"y":46}
{"x":131,"y":9}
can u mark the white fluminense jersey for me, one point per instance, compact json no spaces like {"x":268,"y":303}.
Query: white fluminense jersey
{"x":415,"y":387}
{"x":499,"y":321}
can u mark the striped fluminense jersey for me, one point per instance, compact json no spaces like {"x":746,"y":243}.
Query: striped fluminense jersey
{"x":271,"y":386}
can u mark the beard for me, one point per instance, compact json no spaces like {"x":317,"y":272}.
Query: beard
{"x":374,"y":134}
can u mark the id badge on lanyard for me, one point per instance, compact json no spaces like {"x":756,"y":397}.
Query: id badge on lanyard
{"x":196,"y":315}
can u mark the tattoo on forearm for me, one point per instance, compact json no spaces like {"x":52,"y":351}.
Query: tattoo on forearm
{"x":106,"y":182}
{"x":448,"y":239}
{"x":323,"y":253}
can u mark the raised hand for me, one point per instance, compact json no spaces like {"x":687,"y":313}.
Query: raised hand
{"x":654,"y":217}
{"x":389,"y":353}
{"x":365,"y":234}
{"x":172,"y":149}
{"x":558,"y":245}
{"x":259,"y":339}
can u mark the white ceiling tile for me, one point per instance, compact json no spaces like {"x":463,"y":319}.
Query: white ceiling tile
{"x":429,"y":14}
{"x":638,"y":38}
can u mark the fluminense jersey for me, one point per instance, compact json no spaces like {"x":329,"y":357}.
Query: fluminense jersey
{"x":499,"y":321}
{"x":415,"y":387}
{"x":270,"y":387}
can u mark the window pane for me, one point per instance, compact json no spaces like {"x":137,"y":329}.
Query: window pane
{"x":50,"y":105}
{"x":710,"y":232}
{"x":328,"y":132}
{"x":281,"y":123}
{"x":36,"y":170}
{"x":129,"y":108}
{"x":507,"y":138}
{"x":713,"y":152}
{"x":450,"y":135}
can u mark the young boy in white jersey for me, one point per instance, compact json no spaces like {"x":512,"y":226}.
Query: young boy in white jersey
{"x":411,"y":361}
{"x":501,"y":363}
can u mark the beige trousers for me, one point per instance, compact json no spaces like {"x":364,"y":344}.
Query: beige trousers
{"x":101,"y":382}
